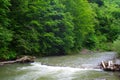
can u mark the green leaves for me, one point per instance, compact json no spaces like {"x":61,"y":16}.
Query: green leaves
{"x":82,"y":16}
{"x":116,"y":45}
{"x":5,"y":36}
{"x":107,"y":22}
{"x":56,"y":27}
{"x":4,"y":9}
{"x":6,"y":54}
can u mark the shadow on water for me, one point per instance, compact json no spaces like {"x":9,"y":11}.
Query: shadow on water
{"x":72,"y":67}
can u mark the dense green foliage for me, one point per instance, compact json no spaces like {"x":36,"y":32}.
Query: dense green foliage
{"x":56,"y":27}
{"x":107,"y":22}
{"x":6,"y":35}
{"x":83,"y":20}
{"x":116,"y":45}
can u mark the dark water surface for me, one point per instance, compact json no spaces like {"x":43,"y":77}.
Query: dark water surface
{"x":72,"y":67}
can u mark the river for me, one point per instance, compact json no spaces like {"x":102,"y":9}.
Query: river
{"x":70,"y":67}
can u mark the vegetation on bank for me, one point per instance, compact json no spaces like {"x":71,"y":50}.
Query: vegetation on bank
{"x":57,"y":27}
{"x":116,"y":45}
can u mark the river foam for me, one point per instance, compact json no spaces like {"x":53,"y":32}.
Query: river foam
{"x":37,"y":71}
{"x":39,"y":66}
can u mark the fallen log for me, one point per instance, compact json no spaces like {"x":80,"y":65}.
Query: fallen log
{"x":103,"y":64}
{"x":7,"y":62}
{"x":23,"y":59}
{"x":110,"y":66}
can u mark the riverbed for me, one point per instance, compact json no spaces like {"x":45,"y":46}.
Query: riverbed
{"x":70,"y":67}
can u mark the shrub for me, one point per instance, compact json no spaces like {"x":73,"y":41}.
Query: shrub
{"x":116,"y":45}
{"x":5,"y":54}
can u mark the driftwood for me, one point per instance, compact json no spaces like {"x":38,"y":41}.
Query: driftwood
{"x":23,"y":59}
{"x":110,"y":66}
{"x":103,"y":64}
{"x":7,"y":62}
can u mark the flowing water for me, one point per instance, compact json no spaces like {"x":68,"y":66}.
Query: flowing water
{"x":72,"y":67}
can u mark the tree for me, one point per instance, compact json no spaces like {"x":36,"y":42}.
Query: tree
{"x":57,"y":29}
{"x":106,"y":23}
{"x":108,"y":20}
{"x":25,"y":39}
{"x":83,"y":19}
{"x":41,"y":26}
{"x":4,"y":20}
{"x":6,"y":35}
{"x":99,"y":2}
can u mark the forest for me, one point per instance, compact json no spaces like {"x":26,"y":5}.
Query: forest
{"x":58,"y":27}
